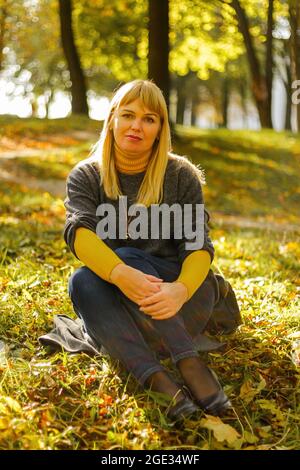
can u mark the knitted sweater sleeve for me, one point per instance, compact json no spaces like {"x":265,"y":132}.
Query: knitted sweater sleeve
{"x":194,"y":270}
{"x":81,"y":223}
{"x":190,"y":193}
{"x":81,"y":204}
{"x":95,"y":254}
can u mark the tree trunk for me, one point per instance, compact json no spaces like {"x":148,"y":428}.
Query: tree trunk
{"x":3,"y":15}
{"x":194,"y":113}
{"x":34,"y":107}
{"x":288,"y":108}
{"x":294,"y":11}
{"x":269,"y":61}
{"x":158,"y":56}
{"x":243,"y":96}
{"x":48,"y":101}
{"x":286,"y":78}
{"x":181,"y":98}
{"x":288,"y":111}
{"x":78,"y":88}
{"x":225,"y":102}
{"x":260,"y":86}
{"x":181,"y":103}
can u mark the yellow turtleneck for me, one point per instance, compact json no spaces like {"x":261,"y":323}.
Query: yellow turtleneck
{"x":101,"y":259}
{"x":127,"y":164}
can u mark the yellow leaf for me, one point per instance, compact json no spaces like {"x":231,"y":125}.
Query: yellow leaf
{"x":264,"y":447}
{"x":12,"y":404}
{"x":270,"y":405}
{"x":222,"y":432}
{"x":264,"y":431}
{"x":4,"y":423}
{"x":248,"y":391}
{"x":249,"y":437}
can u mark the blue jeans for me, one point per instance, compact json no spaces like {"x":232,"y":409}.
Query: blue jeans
{"x":129,"y":335}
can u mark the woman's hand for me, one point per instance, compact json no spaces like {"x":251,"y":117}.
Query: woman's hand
{"x":166,"y":303}
{"x":135,"y":284}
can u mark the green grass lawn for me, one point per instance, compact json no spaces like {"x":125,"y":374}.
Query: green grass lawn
{"x":248,"y":173}
{"x":10,"y":126}
{"x":62,"y":401}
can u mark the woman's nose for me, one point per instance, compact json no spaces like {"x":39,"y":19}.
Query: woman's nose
{"x":136,"y":124}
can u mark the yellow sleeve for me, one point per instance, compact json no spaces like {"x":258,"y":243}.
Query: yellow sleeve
{"x":94,"y":253}
{"x":194,"y":270}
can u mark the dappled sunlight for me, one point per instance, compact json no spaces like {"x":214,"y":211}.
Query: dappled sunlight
{"x":84,"y":399}
{"x":265,"y":162}
{"x":8,"y":220}
{"x":250,"y":174}
{"x":230,"y":67}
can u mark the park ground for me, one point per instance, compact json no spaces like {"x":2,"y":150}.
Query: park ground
{"x":63,"y":401}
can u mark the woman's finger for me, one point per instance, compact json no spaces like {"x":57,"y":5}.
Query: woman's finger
{"x":152,"y":299}
{"x":154,"y":308}
{"x":154,"y":290}
{"x":157,"y":314}
{"x":153,"y":278}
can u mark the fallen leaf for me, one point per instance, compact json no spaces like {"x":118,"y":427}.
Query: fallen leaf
{"x":248,"y":391}
{"x":222,"y":432}
{"x":249,"y":437}
{"x":12,"y":404}
{"x":271,"y":406}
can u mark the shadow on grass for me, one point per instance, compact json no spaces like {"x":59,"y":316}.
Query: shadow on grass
{"x":247,"y":173}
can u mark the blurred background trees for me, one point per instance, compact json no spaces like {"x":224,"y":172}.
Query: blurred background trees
{"x":223,"y":63}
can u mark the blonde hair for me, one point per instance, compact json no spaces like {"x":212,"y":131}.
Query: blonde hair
{"x":151,"y":189}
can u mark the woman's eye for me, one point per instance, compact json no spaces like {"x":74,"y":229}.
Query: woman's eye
{"x":131,"y":116}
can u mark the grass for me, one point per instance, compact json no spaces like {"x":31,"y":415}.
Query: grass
{"x":248,"y":173}
{"x":10,"y":126}
{"x":63,"y":401}
{"x":53,"y":163}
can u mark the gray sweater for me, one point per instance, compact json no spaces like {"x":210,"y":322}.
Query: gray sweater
{"x":85,"y":193}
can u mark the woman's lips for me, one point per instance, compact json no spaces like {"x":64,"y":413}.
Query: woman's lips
{"x":133,"y":137}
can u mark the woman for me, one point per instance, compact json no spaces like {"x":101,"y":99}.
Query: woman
{"x":145,"y":297}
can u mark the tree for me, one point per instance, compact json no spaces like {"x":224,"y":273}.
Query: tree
{"x":3,"y":16}
{"x":283,"y":68}
{"x":158,"y":52}
{"x":78,"y":88}
{"x":294,"y":18}
{"x":204,"y":38}
{"x":112,"y":41}
{"x":32,"y":58}
{"x":262,"y":77}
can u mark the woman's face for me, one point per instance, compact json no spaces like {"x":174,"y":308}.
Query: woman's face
{"x":135,"y":128}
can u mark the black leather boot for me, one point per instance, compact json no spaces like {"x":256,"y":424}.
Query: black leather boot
{"x":216,"y":404}
{"x":181,"y":406}
{"x":183,"y":409}
{"x":204,"y":386}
